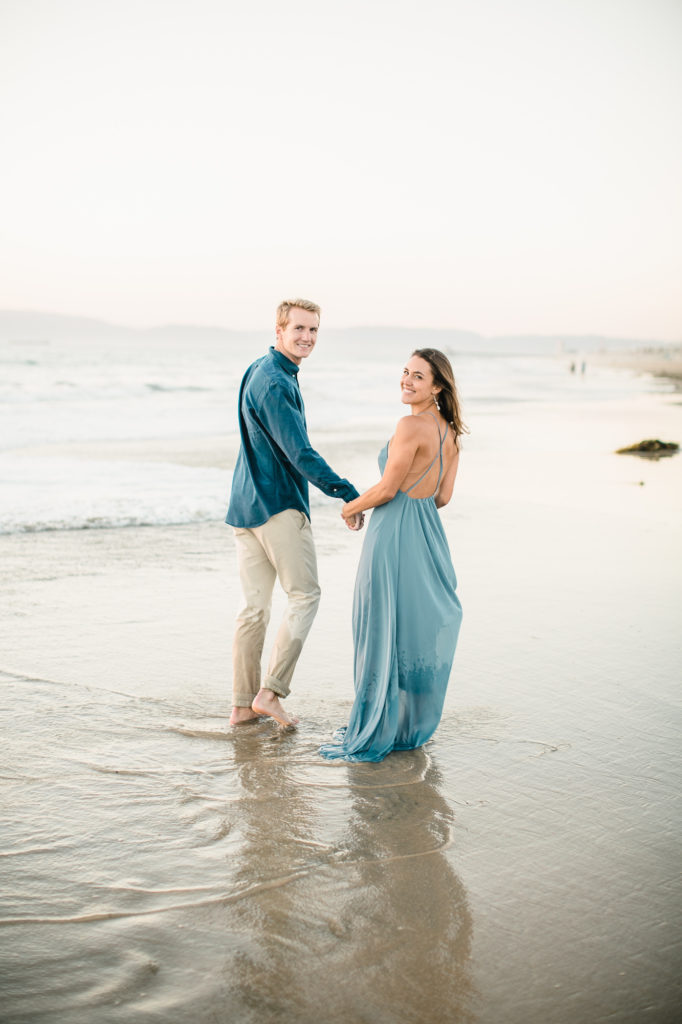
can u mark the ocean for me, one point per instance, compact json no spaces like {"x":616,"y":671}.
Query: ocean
{"x":96,"y":434}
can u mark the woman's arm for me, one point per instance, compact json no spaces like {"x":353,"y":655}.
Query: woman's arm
{"x":401,"y":452}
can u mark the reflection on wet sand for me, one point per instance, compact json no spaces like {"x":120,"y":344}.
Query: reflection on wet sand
{"x":352,"y":911}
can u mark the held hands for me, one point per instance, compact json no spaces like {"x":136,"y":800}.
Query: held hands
{"x":355,"y":521}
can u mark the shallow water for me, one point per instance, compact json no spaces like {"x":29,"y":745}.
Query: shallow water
{"x":160,"y":864}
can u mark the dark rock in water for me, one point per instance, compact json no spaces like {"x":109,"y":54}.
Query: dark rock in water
{"x":652,"y":449}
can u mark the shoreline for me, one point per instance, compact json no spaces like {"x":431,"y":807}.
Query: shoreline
{"x":662,"y":363}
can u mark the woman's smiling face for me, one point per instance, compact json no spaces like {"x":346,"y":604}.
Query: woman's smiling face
{"x":416,"y":385}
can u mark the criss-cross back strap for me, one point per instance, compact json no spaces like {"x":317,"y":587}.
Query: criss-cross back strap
{"x":441,"y":438}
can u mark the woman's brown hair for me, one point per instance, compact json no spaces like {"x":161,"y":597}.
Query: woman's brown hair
{"x":447,"y":398}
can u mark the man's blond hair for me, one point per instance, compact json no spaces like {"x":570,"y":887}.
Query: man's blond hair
{"x":285,"y":308}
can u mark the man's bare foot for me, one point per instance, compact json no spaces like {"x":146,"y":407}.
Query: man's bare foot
{"x":240,"y":716}
{"x":267,"y":702}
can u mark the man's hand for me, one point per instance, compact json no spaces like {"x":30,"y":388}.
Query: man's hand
{"x":355,"y":522}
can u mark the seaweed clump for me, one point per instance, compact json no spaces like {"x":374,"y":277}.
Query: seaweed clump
{"x":651,"y":449}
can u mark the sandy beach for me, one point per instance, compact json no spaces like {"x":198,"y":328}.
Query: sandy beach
{"x":523,"y":867}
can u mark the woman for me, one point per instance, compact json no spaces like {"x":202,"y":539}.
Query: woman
{"x":406,"y":615}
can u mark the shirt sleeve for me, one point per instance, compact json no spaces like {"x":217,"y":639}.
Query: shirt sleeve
{"x":284,"y":421}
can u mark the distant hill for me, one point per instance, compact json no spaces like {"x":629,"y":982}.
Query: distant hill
{"x":21,"y":326}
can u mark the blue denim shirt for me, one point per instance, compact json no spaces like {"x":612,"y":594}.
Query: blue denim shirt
{"x":276,"y":459}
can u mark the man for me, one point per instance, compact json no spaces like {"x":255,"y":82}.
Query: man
{"x":270,"y":514}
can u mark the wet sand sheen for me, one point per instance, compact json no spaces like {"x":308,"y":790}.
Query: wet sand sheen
{"x":315,"y":874}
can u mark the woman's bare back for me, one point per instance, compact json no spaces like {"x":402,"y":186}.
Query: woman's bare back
{"x":435,"y":428}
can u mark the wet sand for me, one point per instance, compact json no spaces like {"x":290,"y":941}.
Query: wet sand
{"x":523,"y":867}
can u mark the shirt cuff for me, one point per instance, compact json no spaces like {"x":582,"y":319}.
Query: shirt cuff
{"x":345,"y":490}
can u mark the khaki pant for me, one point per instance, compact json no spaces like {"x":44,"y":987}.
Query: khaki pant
{"x":282,"y":547}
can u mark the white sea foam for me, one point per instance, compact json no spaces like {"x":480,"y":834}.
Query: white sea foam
{"x":57,"y":492}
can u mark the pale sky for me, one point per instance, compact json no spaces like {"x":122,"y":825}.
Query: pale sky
{"x":502,"y":167}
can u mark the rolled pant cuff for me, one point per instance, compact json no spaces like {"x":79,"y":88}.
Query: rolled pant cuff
{"x":243,"y":701}
{"x":272,"y":683}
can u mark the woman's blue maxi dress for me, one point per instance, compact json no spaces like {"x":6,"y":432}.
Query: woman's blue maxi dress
{"x":406,"y":619}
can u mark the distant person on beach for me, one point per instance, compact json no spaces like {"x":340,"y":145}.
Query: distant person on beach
{"x":406,"y":614}
{"x":270,"y":514}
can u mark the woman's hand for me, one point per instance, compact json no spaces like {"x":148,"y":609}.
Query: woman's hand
{"x":353,"y":520}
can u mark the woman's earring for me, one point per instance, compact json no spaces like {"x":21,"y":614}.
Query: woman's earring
{"x":435,"y":400}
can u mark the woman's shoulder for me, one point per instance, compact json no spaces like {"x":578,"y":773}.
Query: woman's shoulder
{"x":423,"y":426}
{"x":417,"y":424}
{"x":409,"y":430}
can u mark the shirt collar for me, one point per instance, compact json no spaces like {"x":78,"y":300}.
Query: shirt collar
{"x":285,"y":363}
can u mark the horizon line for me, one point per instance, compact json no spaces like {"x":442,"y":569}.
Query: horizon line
{"x":553,"y":335}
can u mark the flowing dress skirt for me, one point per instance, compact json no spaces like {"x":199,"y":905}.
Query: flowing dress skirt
{"x":406,"y":619}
